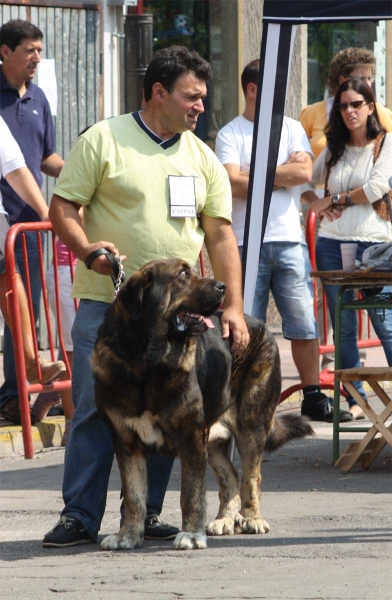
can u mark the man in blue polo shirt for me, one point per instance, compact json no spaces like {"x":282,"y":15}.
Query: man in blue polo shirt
{"x":25,"y":109}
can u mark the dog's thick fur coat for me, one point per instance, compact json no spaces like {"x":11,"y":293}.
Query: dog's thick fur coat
{"x":167,"y":381}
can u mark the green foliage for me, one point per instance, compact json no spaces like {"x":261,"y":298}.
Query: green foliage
{"x":325,"y":40}
{"x":167,"y":32}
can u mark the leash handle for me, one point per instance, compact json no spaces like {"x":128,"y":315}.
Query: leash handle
{"x":118,"y":276}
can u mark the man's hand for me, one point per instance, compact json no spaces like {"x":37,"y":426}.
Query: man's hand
{"x":233,"y":322}
{"x":101,"y":264}
{"x":297,"y":157}
{"x":226,"y":264}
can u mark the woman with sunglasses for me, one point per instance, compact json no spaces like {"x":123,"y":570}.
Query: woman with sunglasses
{"x":346,"y":64}
{"x":354,"y":182}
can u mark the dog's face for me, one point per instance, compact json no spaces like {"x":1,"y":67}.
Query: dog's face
{"x":168,"y":294}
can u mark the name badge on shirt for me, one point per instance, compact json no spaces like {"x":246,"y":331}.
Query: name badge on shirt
{"x":182,"y":196}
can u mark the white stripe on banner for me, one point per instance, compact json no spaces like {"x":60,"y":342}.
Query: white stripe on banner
{"x":261,"y":160}
{"x":322,"y":19}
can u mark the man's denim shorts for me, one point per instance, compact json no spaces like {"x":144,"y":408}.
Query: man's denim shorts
{"x":284,"y":268}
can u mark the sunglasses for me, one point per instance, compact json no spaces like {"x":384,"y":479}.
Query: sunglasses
{"x":356,"y":105}
{"x":368,"y":79}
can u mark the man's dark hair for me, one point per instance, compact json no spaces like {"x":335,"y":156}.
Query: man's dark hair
{"x":336,"y":131}
{"x":15,"y":31}
{"x":168,"y":64}
{"x":250,"y":74}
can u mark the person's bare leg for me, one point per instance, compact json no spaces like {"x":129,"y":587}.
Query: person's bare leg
{"x":66,"y":395}
{"x":28,"y":346}
{"x":356,"y":411}
{"x":68,"y":405}
{"x":306,"y":359}
{"x":49,"y":370}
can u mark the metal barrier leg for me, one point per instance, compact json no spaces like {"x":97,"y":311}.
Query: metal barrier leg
{"x":338,"y":360}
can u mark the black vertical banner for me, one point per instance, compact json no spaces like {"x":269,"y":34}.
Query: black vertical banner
{"x":273,"y":77}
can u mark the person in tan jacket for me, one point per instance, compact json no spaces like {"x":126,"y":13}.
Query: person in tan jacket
{"x":346,"y":64}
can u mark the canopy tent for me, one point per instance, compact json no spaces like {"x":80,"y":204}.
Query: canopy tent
{"x":280,"y":20}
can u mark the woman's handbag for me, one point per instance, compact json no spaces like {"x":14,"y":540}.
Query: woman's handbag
{"x":383,"y":206}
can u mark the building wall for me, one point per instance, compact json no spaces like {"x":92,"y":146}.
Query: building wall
{"x":297,"y":92}
{"x":252,"y":27}
{"x":249,"y":35}
{"x":112,"y":53}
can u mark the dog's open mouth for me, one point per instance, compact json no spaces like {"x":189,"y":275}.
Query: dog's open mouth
{"x":184,"y":320}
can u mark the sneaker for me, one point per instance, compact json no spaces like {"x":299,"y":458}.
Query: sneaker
{"x":156,"y":529}
{"x":321,"y":409}
{"x":49,"y":371}
{"x":67,"y":532}
{"x":11,"y":412}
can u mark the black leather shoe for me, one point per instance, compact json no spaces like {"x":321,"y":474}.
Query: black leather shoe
{"x":156,"y":529}
{"x":67,"y":532}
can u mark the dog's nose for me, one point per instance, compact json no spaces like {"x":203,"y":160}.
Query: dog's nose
{"x":220,"y":286}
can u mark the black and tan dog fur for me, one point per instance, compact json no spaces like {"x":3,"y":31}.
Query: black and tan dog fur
{"x":167,"y":381}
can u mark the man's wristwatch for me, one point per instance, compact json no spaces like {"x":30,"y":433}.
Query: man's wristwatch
{"x":348,"y":199}
{"x":335,"y":198}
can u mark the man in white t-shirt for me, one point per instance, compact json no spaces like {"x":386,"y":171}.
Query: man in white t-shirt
{"x":284,"y":265}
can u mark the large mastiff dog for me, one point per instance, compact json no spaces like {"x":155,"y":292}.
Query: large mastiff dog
{"x":168,"y":382}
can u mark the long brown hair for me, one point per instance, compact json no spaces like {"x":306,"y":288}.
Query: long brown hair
{"x":336,"y":131}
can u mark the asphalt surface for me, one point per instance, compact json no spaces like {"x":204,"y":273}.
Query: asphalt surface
{"x":330,"y":536}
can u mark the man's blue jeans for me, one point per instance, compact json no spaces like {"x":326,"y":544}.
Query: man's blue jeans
{"x":9,"y":389}
{"x":328,"y":258}
{"x":90,"y":450}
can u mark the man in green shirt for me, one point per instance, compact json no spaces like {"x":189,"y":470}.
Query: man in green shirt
{"x":150,"y":189}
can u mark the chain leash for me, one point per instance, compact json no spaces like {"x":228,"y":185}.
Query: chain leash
{"x":120,"y":277}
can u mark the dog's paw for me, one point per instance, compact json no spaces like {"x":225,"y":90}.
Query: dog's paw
{"x":190,"y":541}
{"x":259,"y":525}
{"x":121,"y":542}
{"x":220,"y":527}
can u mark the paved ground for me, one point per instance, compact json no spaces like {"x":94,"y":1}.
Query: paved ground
{"x":330,"y":537}
{"x":330,"y":533}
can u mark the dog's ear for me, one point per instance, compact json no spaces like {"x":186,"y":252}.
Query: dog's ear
{"x":132,"y":293}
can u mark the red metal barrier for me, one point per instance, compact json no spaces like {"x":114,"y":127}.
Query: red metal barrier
{"x":24,"y":388}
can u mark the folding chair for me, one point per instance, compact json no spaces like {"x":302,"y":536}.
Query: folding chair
{"x":369,"y":447}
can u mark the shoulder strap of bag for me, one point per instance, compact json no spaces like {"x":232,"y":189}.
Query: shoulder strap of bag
{"x":378,"y":144}
{"x":326,"y":191}
{"x":388,"y":201}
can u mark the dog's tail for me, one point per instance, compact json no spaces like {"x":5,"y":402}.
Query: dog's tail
{"x":287,"y":427}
